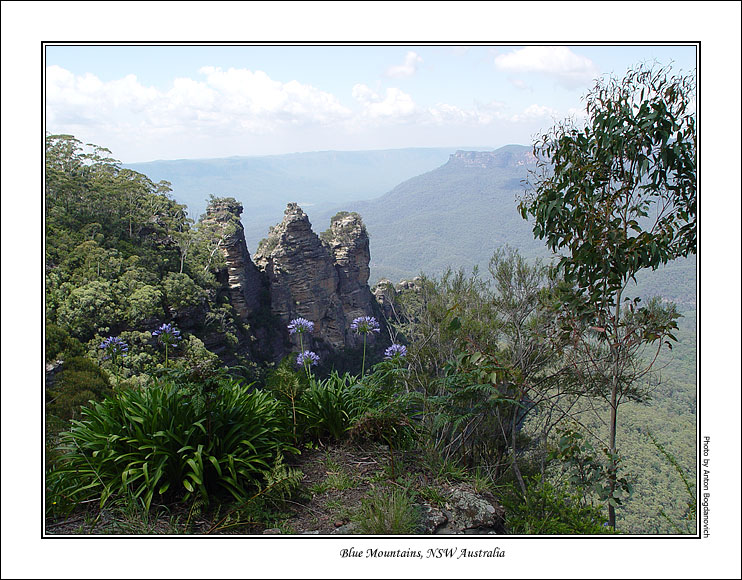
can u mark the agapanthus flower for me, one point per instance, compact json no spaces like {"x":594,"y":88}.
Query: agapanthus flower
{"x":307,"y":357}
{"x":168,"y":334}
{"x":300,"y":326}
{"x":114,"y":346}
{"x":364,"y":325}
{"x":396,"y":350}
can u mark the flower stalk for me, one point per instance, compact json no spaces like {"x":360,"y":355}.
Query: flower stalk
{"x":169,"y":336}
{"x":363,"y":325}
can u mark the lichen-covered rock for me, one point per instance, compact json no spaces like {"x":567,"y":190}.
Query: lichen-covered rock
{"x":347,"y":529}
{"x":468,"y":512}
{"x":431,"y":519}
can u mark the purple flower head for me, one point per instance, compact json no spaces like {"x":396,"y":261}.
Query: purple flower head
{"x":114,"y":346}
{"x":301,"y":325}
{"x":364,"y":325}
{"x":395,"y":351}
{"x":307,"y":357}
{"x":168,"y":334}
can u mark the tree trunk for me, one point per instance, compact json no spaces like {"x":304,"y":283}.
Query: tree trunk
{"x":612,"y":474}
{"x":516,"y":469}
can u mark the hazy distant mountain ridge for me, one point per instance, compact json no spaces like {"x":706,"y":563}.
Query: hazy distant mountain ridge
{"x":316,"y":180}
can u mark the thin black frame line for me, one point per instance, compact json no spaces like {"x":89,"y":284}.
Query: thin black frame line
{"x":698,"y":315}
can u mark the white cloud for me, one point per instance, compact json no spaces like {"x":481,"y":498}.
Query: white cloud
{"x":233,"y":100}
{"x":481,"y":114}
{"x":535,"y":112}
{"x":570,"y":69}
{"x":395,"y":105}
{"x":220,"y":108}
{"x":520,"y":84}
{"x":88,"y":100}
{"x":364,"y":94}
{"x":256,"y":96}
{"x":409,"y":68}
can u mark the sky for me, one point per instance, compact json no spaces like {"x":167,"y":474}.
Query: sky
{"x":164,"y":101}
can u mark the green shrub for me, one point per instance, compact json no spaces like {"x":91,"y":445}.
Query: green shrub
{"x":545,"y":509}
{"x":159,"y":442}
{"x":90,"y":308}
{"x":286,"y":384}
{"x":384,"y":424}
{"x":181,"y":291}
{"x":144,"y":303}
{"x":388,"y":411}
{"x":58,"y":344}
{"x":80,"y":381}
{"x":268,"y":507}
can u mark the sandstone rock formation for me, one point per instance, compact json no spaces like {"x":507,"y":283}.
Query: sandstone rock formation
{"x":323,"y":280}
{"x":295,"y":273}
{"x":384,"y":294}
{"x":244,"y":281}
{"x":301,"y":277}
{"x":347,"y":241}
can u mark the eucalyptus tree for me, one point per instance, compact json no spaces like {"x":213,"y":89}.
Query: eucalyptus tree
{"x":612,"y":197}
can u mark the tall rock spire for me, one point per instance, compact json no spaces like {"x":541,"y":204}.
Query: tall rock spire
{"x":245,"y":281}
{"x":347,"y":241}
{"x":301,"y":277}
{"x":321,"y":278}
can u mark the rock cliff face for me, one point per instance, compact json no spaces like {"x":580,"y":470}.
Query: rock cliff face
{"x":504,"y":157}
{"x":246,"y":284}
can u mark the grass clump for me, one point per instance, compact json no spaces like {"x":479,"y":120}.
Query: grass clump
{"x":388,"y":512}
{"x":337,"y":479}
